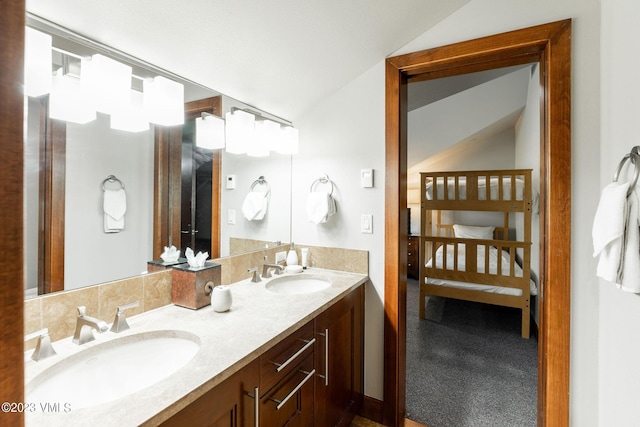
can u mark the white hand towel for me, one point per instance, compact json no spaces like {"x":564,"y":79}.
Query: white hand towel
{"x":629,"y":277}
{"x":255,"y":205}
{"x":114,"y":206}
{"x":608,"y":228}
{"x":320,"y":206}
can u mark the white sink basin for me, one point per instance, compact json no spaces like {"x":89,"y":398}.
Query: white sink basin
{"x":114,"y":369}
{"x":298,"y":284}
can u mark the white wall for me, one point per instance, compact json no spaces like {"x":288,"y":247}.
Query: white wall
{"x":276,"y":168}
{"x":528,"y":157}
{"x":619,"y":314}
{"x":342,"y":135}
{"x":275,"y":226}
{"x":94,"y":151}
{"x":346,"y":132}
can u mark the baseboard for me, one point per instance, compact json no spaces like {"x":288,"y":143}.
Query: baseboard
{"x":371,"y":409}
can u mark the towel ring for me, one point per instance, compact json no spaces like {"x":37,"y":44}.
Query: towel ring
{"x":261,"y":181}
{"x":634,"y":155}
{"x":112,"y":179}
{"x":324,"y":179}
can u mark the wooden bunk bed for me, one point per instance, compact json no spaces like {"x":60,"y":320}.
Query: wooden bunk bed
{"x":484,"y":268}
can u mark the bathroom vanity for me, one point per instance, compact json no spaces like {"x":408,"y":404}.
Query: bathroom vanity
{"x":277,"y":388}
{"x":273,"y":359}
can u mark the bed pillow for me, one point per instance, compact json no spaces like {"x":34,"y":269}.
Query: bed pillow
{"x":473,"y":232}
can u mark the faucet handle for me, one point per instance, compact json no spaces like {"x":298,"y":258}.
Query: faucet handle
{"x":82,"y":310}
{"x":44,"y":348}
{"x":120,"y":321}
{"x":255,"y":277}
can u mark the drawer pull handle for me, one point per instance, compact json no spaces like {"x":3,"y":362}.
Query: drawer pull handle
{"x":282,"y":402}
{"x":326,"y":357}
{"x":256,"y":404}
{"x":292,"y":358}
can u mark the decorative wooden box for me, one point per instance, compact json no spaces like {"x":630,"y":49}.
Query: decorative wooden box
{"x":188,"y":288}
{"x":160,"y":265}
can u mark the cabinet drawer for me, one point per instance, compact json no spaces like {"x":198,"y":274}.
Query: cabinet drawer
{"x":290,"y":403}
{"x":276,"y":363}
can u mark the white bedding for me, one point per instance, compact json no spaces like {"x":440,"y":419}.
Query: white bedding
{"x":493,"y":268}
{"x":482,"y":185}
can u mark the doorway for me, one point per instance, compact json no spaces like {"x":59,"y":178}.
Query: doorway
{"x":549,"y":45}
{"x":197,"y":201}
{"x":187,"y":177}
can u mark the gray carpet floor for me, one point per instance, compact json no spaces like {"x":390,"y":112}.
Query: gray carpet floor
{"x":468,"y":366}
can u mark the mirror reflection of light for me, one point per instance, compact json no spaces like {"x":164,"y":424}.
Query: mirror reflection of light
{"x":68,"y":101}
{"x":210,"y":132}
{"x":37,"y":63}
{"x":131,"y":117}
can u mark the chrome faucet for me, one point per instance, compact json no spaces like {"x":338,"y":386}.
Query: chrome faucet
{"x":84,"y":325}
{"x":120,"y":321}
{"x":266,"y":270}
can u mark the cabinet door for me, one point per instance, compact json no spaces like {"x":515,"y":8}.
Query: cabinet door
{"x":230,"y":404}
{"x":290,"y":402}
{"x":339,"y":361}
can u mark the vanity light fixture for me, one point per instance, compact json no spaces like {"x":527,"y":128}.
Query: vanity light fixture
{"x":68,"y":101}
{"x":164,"y":101}
{"x":250,"y":133}
{"x":266,"y":133}
{"x":239,"y":130}
{"x":210,"y":132}
{"x":132,"y":117}
{"x":107,"y":82}
{"x":37,"y":63}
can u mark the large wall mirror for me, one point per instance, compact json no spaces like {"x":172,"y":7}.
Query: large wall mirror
{"x":176,"y":193}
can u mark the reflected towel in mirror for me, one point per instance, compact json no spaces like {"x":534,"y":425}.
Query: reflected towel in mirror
{"x":115,"y":206}
{"x":255,"y":205}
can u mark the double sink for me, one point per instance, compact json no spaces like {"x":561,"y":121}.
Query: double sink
{"x":122,"y":366}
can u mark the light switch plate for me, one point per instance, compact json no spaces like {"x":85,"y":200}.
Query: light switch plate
{"x":231,"y":182}
{"x":231,"y":216}
{"x":366,"y":223}
{"x":366,"y":178}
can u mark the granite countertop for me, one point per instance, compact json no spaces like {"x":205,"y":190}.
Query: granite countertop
{"x":257,"y":321}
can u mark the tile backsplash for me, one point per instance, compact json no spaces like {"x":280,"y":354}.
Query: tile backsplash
{"x":58,"y":311}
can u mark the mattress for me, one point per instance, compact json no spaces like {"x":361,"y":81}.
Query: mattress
{"x":493,"y":268}
{"x":494,"y":188}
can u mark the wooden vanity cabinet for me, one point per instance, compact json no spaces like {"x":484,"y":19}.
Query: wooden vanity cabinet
{"x":229,"y":404}
{"x":290,"y":403}
{"x":339,"y":363}
{"x":286,"y":381}
{"x":314,"y":376}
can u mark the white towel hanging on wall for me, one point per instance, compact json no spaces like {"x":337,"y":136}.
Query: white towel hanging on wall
{"x":608,"y":229}
{"x":320,"y":204}
{"x":114,"y":205}
{"x":256,"y":202}
{"x":255,"y":205}
{"x":616,"y":230}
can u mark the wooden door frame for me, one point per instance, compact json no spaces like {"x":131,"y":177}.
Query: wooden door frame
{"x":12,"y":22}
{"x":550,"y":45}
{"x":167,"y":181}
